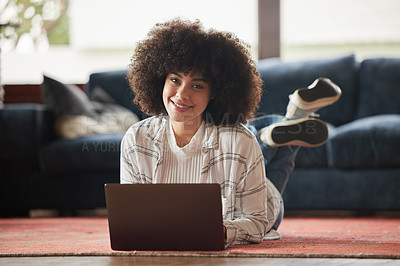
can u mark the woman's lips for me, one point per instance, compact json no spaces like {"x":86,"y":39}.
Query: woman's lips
{"x":180,"y":105}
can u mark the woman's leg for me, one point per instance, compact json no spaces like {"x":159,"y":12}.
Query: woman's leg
{"x":285,"y":134}
{"x":279,"y":161}
{"x":300,"y":127}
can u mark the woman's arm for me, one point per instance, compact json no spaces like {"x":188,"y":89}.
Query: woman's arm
{"x":250,"y":204}
{"x":139,"y":154}
{"x":128,"y":165}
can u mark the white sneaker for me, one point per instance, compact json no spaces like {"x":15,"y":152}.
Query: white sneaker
{"x":305,"y":132}
{"x":272,"y":235}
{"x":305,"y":101}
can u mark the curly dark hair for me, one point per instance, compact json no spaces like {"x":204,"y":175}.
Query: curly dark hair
{"x":223,"y":59}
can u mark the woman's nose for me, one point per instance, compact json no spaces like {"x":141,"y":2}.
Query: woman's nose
{"x":184,"y":91}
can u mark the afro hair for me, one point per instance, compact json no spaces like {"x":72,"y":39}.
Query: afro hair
{"x":223,"y":60}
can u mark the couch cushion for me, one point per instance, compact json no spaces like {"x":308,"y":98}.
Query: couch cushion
{"x":311,"y":157}
{"x":283,"y":78}
{"x":96,"y":153}
{"x":115,"y":83}
{"x":379,"y":87}
{"x":372,"y":142}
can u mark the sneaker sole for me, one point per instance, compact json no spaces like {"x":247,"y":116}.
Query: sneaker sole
{"x":306,"y":133}
{"x":320,"y":93}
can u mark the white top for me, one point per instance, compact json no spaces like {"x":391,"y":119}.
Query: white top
{"x":182,"y":164}
{"x":227,"y":155}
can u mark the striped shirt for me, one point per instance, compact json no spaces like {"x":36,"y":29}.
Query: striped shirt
{"x":227,"y":155}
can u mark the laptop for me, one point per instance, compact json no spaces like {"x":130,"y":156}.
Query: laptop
{"x":165,"y":216}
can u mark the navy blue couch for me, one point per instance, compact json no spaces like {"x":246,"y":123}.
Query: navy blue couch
{"x":357,"y":169}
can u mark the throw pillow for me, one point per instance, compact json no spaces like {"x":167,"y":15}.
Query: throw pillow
{"x":65,"y":99}
{"x":78,"y":115}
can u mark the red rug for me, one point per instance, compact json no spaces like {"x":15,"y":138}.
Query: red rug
{"x":302,"y":237}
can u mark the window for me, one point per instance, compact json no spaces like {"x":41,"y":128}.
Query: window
{"x":317,"y":29}
{"x":103,"y":33}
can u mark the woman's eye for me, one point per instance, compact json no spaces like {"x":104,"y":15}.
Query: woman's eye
{"x":197,"y":86}
{"x":174,"y":80}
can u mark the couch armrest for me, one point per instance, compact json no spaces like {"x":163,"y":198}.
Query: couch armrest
{"x":24,"y":128}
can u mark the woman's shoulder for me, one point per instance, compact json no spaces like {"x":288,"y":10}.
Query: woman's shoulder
{"x":237,"y":139}
{"x":235,"y":136}
{"x":149,"y":127}
{"x":148,"y":123}
{"x":237,"y":131}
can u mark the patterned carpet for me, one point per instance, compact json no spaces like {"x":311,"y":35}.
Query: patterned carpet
{"x":302,"y":237}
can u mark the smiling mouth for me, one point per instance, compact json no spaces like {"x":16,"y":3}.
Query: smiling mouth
{"x":181,"y":106}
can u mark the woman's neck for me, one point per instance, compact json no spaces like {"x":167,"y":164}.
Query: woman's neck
{"x":184,"y":131}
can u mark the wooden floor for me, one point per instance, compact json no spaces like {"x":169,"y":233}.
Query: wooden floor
{"x":103,"y":261}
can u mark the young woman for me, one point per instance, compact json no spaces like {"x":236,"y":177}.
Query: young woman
{"x":200,"y":88}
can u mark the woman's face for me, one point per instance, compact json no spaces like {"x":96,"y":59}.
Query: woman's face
{"x":185,"y":97}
